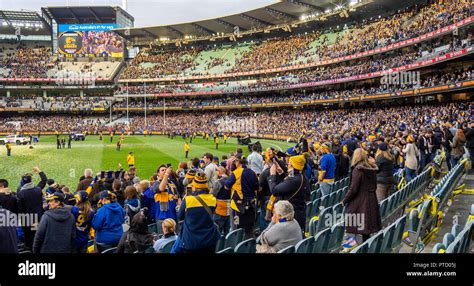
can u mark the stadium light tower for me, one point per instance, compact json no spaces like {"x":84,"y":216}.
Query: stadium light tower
{"x":124,"y":5}
{"x":144,"y":98}
{"x":127,"y":104}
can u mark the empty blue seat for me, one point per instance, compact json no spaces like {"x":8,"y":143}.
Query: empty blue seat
{"x":325,"y":201}
{"x":289,"y":249}
{"x":246,"y":246}
{"x":383,"y":207}
{"x":387,"y":241}
{"x":220,"y":243}
{"x":152,"y":227}
{"x":375,"y":243}
{"x":309,"y":206}
{"x":234,"y":237}
{"x":305,"y":245}
{"x":363,"y":248}
{"x":439,"y":248}
{"x":456,"y":229}
{"x":340,"y":195}
{"x":465,"y":239}
{"x":332,"y":199}
{"x":166,"y":248}
{"x":336,"y":236}
{"x":398,"y":232}
{"x":325,"y":219}
{"x":315,"y":208}
{"x":226,"y":250}
{"x":321,"y":240}
{"x":448,"y":238}
{"x":454,"y":246}
{"x":110,"y":250}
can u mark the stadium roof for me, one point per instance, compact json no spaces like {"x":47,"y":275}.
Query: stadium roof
{"x":30,"y":22}
{"x":284,"y":12}
{"x":84,"y":14}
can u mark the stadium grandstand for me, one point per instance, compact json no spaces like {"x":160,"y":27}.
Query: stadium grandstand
{"x":303,"y":126}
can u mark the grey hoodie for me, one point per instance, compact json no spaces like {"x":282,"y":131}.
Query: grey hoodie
{"x":55,"y":233}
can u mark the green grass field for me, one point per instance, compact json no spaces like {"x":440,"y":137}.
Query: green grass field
{"x":67,"y":165}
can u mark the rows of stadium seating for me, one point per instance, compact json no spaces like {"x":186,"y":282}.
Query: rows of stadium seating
{"x":458,"y":240}
{"x":424,"y":220}
{"x":316,"y":45}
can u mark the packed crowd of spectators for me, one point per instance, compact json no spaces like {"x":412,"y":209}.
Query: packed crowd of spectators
{"x":327,"y":93}
{"x":55,"y":103}
{"x":296,"y":49}
{"x":291,"y":122}
{"x":52,"y":123}
{"x":26,"y":62}
{"x":162,"y":63}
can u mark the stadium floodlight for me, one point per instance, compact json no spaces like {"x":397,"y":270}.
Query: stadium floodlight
{"x":353,"y":2}
{"x":303,"y":17}
{"x":328,"y":10}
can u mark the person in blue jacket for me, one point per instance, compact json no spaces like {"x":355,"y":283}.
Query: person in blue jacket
{"x":199,"y":233}
{"x":149,"y":200}
{"x":83,"y":214}
{"x":108,"y":221}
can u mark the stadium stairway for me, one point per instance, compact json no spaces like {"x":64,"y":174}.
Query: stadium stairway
{"x":458,"y":213}
{"x":434,"y":215}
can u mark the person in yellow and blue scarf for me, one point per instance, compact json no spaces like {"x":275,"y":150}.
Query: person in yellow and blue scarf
{"x":199,"y":233}
{"x":243,"y":183}
{"x":166,"y":195}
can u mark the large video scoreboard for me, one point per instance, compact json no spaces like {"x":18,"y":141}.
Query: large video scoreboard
{"x":89,"y":40}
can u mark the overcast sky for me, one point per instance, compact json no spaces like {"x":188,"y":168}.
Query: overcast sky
{"x":152,"y":12}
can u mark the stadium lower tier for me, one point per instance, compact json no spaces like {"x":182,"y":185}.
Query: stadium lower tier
{"x":282,"y":123}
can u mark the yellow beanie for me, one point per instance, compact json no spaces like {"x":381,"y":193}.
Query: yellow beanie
{"x":190,"y":175}
{"x":200,"y":181}
{"x":298,"y":162}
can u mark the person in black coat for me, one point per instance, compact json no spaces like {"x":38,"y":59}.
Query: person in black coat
{"x":8,"y":199}
{"x":30,"y":201}
{"x":361,"y":199}
{"x":469,"y":134}
{"x":447,"y":138}
{"x":8,"y":235}
{"x":137,"y":238}
{"x":385,"y":162}
{"x":57,"y":229}
{"x":294,"y":187}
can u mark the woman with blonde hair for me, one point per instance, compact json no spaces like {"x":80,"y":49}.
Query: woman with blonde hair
{"x":361,"y":200}
{"x":411,"y":158}
{"x":385,"y":162}
{"x":169,"y":233}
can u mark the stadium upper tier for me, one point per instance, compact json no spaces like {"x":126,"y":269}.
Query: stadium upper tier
{"x":299,"y":51}
{"x":414,"y":57}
